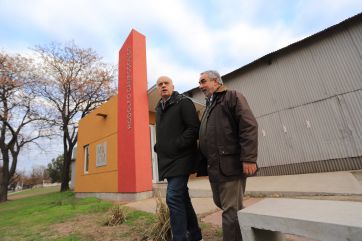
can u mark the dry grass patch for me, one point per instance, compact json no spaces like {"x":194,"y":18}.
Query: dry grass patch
{"x":117,"y":216}
{"x":161,"y":230}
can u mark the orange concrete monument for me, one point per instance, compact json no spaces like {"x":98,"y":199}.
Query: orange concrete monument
{"x":134,"y":157}
{"x":113,"y":155}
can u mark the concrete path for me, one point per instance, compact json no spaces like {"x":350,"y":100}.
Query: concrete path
{"x":330,"y":183}
{"x":201,"y":205}
{"x":215,"y":218}
{"x":342,"y":184}
{"x":316,"y":184}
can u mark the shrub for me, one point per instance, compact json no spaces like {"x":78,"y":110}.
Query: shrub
{"x":161,"y":230}
{"x":116,"y":217}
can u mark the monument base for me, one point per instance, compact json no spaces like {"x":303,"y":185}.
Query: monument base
{"x":116,"y":196}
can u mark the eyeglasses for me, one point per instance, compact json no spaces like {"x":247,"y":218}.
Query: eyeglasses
{"x":202,"y":81}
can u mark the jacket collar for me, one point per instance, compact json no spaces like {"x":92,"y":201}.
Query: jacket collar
{"x":174,"y":98}
{"x":215,"y":95}
{"x":222,"y":88}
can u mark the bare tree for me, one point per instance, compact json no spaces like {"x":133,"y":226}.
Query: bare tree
{"x":38,"y":175}
{"x":21,"y":118}
{"x":74,"y":82}
{"x":17,"y":179}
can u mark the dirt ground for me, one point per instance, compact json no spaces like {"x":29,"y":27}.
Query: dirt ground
{"x":89,"y":227}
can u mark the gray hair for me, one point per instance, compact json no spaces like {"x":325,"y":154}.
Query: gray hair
{"x":213,"y":74}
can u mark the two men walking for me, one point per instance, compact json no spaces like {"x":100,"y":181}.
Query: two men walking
{"x":227,"y":140}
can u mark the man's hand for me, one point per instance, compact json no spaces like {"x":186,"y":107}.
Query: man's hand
{"x":249,"y":168}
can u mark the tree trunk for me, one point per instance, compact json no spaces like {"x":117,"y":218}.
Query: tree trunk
{"x":66,"y":170}
{"x":3,"y":190}
{"x":4,"y":179}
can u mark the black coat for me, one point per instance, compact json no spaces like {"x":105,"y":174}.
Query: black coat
{"x":177,"y":128}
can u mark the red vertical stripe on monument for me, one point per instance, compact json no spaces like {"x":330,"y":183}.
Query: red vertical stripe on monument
{"x":134,"y":157}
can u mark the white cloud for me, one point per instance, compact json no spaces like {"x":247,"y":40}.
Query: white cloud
{"x":245,"y":43}
{"x":189,"y":33}
{"x":160,"y":63}
{"x":314,"y":16}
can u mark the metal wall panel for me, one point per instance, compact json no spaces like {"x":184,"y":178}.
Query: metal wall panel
{"x":271,"y":141}
{"x":339,"y":63}
{"x":354,"y":163}
{"x":313,"y":132}
{"x":356,"y":36}
{"x":199,"y":96}
{"x":259,"y":88}
{"x":352,"y":112}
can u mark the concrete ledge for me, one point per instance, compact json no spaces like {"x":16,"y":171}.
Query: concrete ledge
{"x":316,"y":219}
{"x":116,"y":196}
{"x":197,"y":189}
{"x":291,"y":194}
{"x":336,"y":183}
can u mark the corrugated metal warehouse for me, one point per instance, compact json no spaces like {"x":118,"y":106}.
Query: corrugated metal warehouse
{"x":307,"y":98}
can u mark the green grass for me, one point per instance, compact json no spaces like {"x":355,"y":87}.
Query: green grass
{"x":28,"y":218}
{"x":138,"y":221}
{"x":133,"y":216}
{"x":71,"y":237}
{"x":35,"y":191}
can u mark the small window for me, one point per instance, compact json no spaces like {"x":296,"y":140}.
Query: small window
{"x":86,"y":159}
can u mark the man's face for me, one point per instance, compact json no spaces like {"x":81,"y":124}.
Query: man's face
{"x":165,"y":87}
{"x":207,"y":85}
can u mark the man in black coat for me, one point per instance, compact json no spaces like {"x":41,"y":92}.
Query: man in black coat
{"x":177,"y":127}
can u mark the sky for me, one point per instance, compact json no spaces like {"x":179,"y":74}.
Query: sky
{"x":183,"y":37}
